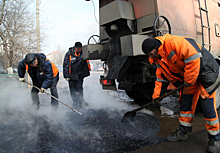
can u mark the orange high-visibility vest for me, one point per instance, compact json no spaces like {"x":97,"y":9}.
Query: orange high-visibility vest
{"x":54,"y":68}
{"x":178,"y":57}
{"x":78,"y":56}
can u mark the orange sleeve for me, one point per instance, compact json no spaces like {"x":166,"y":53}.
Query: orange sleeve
{"x":157,"y":90}
{"x":158,"y":85}
{"x":186,"y":52}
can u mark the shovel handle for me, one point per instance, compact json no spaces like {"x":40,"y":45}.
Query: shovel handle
{"x":160,"y":98}
{"x":57,"y":99}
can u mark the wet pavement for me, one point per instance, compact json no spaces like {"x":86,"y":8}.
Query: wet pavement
{"x":25,"y":130}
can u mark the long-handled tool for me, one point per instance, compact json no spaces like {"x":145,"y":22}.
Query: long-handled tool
{"x":129,"y":116}
{"x":57,"y":100}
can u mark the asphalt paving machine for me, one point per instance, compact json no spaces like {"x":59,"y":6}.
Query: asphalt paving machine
{"x":124,"y":24}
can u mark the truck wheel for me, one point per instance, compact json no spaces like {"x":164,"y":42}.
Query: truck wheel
{"x":161,"y":26}
{"x":130,"y":94}
{"x":94,"y":39}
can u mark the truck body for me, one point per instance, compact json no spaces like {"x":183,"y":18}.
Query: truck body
{"x":125,"y":24}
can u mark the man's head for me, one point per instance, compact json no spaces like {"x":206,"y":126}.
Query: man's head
{"x":78,"y":47}
{"x":31,"y":60}
{"x":150,"y":47}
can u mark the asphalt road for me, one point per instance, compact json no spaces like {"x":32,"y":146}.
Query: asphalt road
{"x":15,"y":96}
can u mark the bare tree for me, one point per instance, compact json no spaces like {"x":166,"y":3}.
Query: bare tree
{"x":17,"y":31}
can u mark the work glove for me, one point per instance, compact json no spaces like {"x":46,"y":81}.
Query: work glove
{"x":67,"y":79}
{"x":156,"y":102}
{"x":187,"y":84}
{"x":22,"y":79}
{"x":42,"y":90}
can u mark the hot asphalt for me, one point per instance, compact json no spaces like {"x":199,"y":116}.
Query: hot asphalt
{"x":166,"y":125}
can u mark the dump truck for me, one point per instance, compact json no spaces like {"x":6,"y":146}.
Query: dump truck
{"x":125,"y":24}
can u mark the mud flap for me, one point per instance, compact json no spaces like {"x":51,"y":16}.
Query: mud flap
{"x":107,"y":84}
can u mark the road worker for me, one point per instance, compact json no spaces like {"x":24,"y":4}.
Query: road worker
{"x":182,"y":60}
{"x":75,"y":69}
{"x":44,"y":74}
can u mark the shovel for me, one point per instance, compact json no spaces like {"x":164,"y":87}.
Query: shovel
{"x":129,"y":116}
{"x":57,"y":100}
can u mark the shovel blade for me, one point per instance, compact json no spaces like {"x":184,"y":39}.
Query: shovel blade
{"x":128,"y":117}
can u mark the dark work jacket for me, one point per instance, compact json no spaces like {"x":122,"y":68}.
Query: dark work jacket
{"x":209,"y":75}
{"x":75,"y":68}
{"x":36,"y":74}
{"x":210,"y":72}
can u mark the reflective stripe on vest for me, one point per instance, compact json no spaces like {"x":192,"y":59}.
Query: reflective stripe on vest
{"x":185,"y":124}
{"x":187,"y":115}
{"x":172,"y":53}
{"x":210,"y":88}
{"x":213,"y":132}
{"x":70,"y":61}
{"x":189,"y":59}
{"x":77,"y":56}
{"x":193,"y":57}
{"x":212,"y":122}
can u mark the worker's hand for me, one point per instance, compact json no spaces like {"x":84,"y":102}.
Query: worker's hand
{"x":156,"y":102}
{"x":187,"y":84}
{"x":67,"y":79}
{"x":42,"y":90}
{"x":22,"y":79}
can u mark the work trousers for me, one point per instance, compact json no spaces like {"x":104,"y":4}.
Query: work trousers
{"x":76,"y":92}
{"x":53,"y":90}
{"x":188,"y":102}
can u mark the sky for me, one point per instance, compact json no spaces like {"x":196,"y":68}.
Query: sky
{"x":68,"y":21}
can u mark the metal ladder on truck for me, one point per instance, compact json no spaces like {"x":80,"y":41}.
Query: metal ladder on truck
{"x":207,"y":27}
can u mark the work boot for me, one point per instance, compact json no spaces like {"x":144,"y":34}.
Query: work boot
{"x":54,"y":106}
{"x":35,"y":106}
{"x":75,"y":104}
{"x":83,"y":104}
{"x":177,"y":136}
{"x":213,"y":146}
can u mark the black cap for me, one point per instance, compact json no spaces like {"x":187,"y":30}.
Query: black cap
{"x":29,"y":58}
{"x":149,"y":44}
{"x":78,"y":45}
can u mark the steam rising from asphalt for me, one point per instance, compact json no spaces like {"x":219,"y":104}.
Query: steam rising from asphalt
{"x":46,"y":125}
{"x":16,"y":97}
{"x":99,"y":98}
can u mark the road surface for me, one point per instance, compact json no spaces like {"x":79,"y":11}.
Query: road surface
{"x":24,"y":129}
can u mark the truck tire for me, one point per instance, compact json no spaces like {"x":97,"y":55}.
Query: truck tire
{"x":130,"y":94}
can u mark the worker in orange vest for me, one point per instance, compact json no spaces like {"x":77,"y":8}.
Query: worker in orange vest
{"x":44,"y":74}
{"x":75,"y":69}
{"x":182,"y":60}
